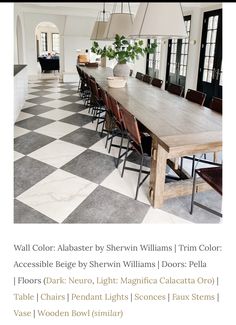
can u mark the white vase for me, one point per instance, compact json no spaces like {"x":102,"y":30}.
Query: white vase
{"x":121,"y":70}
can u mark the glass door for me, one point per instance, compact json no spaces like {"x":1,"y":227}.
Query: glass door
{"x":153,"y":60}
{"x":210,"y":66}
{"x":177,"y":57}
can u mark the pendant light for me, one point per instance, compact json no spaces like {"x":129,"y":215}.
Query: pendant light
{"x":119,"y":23}
{"x":159,"y":19}
{"x":100,"y":25}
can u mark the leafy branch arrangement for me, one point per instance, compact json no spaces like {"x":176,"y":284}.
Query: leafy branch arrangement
{"x":123,"y":50}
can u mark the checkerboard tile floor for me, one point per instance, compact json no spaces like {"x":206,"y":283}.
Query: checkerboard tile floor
{"x":64,"y":173}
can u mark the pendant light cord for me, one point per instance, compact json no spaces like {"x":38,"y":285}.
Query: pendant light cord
{"x":144,"y":16}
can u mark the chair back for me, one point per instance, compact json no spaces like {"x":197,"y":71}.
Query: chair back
{"x":131,"y":125}
{"x":104,"y":98}
{"x":139,"y":76}
{"x":147,"y":78}
{"x":216,"y":105}
{"x":114,"y":107}
{"x":157,"y":82}
{"x":94,"y":89}
{"x":196,"y":96}
{"x":175,"y":89}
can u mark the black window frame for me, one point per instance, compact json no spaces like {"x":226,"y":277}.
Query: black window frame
{"x":52,"y":42}
{"x":46,"y":41}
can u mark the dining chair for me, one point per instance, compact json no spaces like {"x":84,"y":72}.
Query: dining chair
{"x":213,"y":177}
{"x":117,"y":128}
{"x":108,"y":122}
{"x":96,"y":102}
{"x":175,"y":89}
{"x":147,"y":79}
{"x":141,"y":144}
{"x":131,"y":72}
{"x":195,"y":96}
{"x":157,"y":82}
{"x":216,"y":104}
{"x":139,"y":76}
{"x":79,"y":73}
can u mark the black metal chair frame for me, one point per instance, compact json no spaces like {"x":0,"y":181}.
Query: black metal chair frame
{"x":193,"y":202}
{"x":117,"y":131}
{"x":140,"y":170}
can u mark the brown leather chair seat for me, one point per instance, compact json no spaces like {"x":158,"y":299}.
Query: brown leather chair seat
{"x":213,"y":177}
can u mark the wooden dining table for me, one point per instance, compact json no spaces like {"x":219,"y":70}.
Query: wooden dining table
{"x":178,"y":128}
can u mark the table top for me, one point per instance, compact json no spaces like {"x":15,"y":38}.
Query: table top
{"x":178,"y":124}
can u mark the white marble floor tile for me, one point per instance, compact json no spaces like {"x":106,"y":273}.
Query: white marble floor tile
{"x":28,"y":104}
{"x":100,"y":146}
{"x":55,"y":89}
{"x":56,"y":103}
{"x":92,"y":126}
{"x":162,"y":217}
{"x":24,"y":116}
{"x":56,"y":114}
{"x":18,"y":131}
{"x":57,"y":153}
{"x":85,"y":112}
{"x":17,"y":155}
{"x":29,"y":96}
{"x":55,"y":95}
{"x":127,"y":184}
{"x":32,"y":90}
{"x":57,"y":195}
{"x":57,"y":129}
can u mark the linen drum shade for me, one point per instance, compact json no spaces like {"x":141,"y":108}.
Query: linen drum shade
{"x":163,"y":20}
{"x":98,"y":30}
{"x":119,"y":23}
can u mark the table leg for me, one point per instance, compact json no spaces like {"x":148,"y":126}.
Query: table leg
{"x":157,"y":176}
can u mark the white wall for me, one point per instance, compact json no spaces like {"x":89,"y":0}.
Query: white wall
{"x":75,"y":34}
{"x":19,"y":42}
{"x":30,"y":22}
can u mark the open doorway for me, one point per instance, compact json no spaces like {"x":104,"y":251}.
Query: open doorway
{"x":48,"y":48}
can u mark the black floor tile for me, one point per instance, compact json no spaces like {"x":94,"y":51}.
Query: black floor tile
{"x":74,"y":107}
{"x":34,"y":122}
{"x":78,"y":119}
{"x":37,"y":110}
{"x":39,"y":100}
{"x":91,"y":165}
{"x":107,"y":206}
{"x":30,"y":142}
{"x":82,"y":137}
{"x":28,"y":172}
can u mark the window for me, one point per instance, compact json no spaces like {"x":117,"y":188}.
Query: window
{"x":44,"y":43}
{"x":153,"y":60}
{"x":184,"y":50}
{"x":210,"y":48}
{"x":55,"y":42}
{"x":177,"y":57}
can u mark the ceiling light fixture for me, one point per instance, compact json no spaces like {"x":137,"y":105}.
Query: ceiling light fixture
{"x":119,"y":23}
{"x":159,"y":19}
{"x":100,"y":25}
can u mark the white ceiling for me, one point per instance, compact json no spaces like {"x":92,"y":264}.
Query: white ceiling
{"x":91,"y":9}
